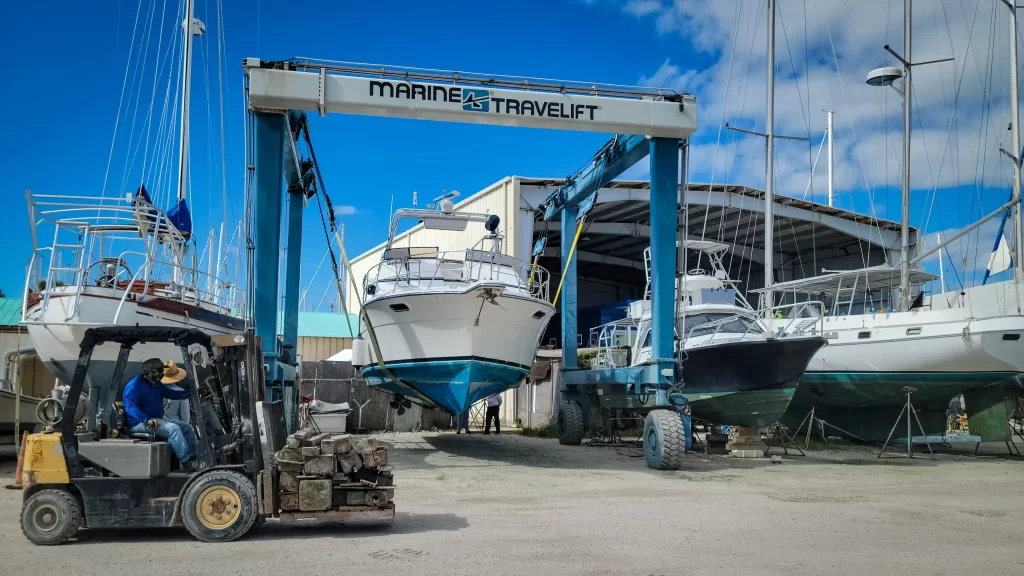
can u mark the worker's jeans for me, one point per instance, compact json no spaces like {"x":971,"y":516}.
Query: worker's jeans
{"x":492,"y":413}
{"x":178,"y":434}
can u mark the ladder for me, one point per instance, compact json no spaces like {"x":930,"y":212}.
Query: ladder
{"x":837,"y":303}
{"x":77,"y":270}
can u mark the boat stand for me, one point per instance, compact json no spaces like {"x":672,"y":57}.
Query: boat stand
{"x":909,"y":409}
{"x":785,"y":439}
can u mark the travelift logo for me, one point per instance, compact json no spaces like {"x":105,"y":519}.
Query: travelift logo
{"x":474,"y":100}
{"x":484,"y":101}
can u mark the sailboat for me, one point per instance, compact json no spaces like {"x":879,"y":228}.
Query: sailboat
{"x":941,"y":345}
{"x":122,"y":261}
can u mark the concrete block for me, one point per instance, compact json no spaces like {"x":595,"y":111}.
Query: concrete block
{"x":361,"y":445}
{"x":289,"y":466}
{"x":288,"y":481}
{"x":310,"y":451}
{"x":337,"y":444}
{"x":289,"y":454}
{"x":314,"y":495}
{"x":375,"y":458}
{"x":289,"y":501}
{"x":292,"y":443}
{"x":316,"y":439}
{"x":325,"y":466}
{"x":350,"y":463}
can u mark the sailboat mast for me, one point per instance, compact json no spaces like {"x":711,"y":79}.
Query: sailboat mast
{"x":831,"y":180}
{"x":186,"y":90}
{"x":905,"y":220}
{"x":769,"y":195}
{"x":1018,"y":234}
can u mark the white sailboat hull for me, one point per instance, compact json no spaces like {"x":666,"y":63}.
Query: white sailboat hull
{"x":57,"y":329}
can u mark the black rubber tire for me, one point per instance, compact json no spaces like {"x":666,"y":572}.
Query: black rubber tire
{"x":664,"y":440}
{"x":248,"y":506}
{"x":66,"y":521}
{"x":570,"y":424}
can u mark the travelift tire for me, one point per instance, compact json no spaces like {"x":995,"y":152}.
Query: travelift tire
{"x":664,"y":440}
{"x":220,"y":506}
{"x":51,"y":517}
{"x":570,"y":424}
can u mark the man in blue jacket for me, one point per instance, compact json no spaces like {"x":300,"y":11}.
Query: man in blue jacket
{"x":144,"y":407}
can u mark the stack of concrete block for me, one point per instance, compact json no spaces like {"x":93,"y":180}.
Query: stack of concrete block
{"x":318,"y":472}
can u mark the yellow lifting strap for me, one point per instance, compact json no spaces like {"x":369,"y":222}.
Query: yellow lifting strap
{"x":572,"y":250}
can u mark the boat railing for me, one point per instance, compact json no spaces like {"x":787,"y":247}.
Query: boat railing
{"x":81,"y":257}
{"x":452,"y":269}
{"x":614,"y":341}
{"x":803,"y":318}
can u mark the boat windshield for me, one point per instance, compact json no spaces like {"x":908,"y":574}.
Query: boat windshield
{"x":703,"y":323}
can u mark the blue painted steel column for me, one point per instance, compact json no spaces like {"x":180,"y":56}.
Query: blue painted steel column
{"x":568,"y":296}
{"x":292,"y":272}
{"x":664,"y":196}
{"x":268,"y":180}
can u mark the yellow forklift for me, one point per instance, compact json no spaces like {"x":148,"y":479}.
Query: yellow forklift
{"x":97,"y":474}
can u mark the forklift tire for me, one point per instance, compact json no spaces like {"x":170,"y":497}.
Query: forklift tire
{"x":664,"y":440}
{"x":51,"y":517}
{"x":570,"y":424}
{"x":219,"y":506}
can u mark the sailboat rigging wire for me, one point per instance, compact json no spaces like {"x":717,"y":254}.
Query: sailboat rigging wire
{"x":813,"y":166}
{"x":952,"y":117}
{"x":721,"y":121}
{"x":117,"y":119}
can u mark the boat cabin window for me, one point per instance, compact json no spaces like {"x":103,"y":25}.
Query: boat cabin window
{"x":406,"y":253}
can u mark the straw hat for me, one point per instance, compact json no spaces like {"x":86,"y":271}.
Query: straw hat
{"x":172,"y":374}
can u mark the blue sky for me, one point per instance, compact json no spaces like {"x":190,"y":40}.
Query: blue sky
{"x":64,"y":94}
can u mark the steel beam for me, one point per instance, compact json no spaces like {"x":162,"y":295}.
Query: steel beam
{"x":614,"y":158}
{"x":267,"y":185}
{"x":664,"y":201}
{"x":568,"y":303}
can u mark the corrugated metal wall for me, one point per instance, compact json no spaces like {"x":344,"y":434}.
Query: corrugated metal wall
{"x":314,"y":349}
{"x":500,"y":198}
{"x":35,"y":379}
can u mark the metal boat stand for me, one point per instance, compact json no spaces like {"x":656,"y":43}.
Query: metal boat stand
{"x":785,"y":439}
{"x":909,"y":409}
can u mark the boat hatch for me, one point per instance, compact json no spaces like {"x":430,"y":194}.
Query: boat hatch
{"x":399,"y":307}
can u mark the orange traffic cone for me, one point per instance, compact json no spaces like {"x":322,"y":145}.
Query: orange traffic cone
{"x":21,"y":463}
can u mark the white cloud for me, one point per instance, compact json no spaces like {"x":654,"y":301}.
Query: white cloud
{"x":824,"y":50}
{"x":344,"y":210}
{"x":642,"y":7}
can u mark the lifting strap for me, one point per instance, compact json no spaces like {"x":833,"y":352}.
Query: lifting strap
{"x":572,"y":250}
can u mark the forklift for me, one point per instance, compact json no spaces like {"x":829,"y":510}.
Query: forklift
{"x":98,"y":474}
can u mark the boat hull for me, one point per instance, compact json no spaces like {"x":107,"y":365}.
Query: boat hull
{"x":856,"y":383}
{"x":743,"y":383}
{"x":27,"y":415}
{"x":452,"y":349}
{"x":57,"y":330}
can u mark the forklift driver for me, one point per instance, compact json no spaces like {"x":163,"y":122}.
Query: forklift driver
{"x":144,"y":409}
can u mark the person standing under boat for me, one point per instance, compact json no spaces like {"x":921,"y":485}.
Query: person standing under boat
{"x":463,"y":423}
{"x":493,"y":406}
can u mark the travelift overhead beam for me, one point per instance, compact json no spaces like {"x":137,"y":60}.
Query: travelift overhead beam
{"x":465,"y":97}
{"x":614,"y":158}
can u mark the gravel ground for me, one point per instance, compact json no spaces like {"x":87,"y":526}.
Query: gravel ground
{"x":512,"y":505}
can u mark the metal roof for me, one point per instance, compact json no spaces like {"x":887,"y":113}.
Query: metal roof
{"x":10,"y":312}
{"x":736,"y":225}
